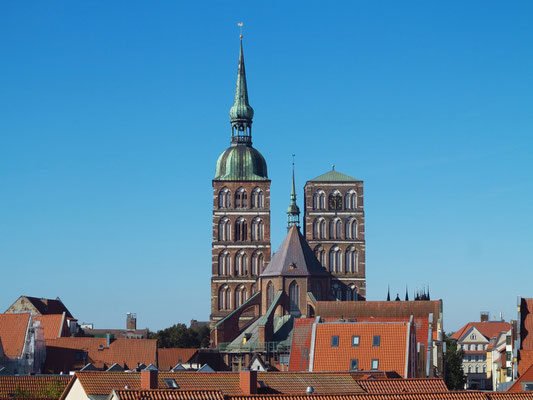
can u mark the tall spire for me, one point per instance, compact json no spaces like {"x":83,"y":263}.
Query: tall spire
{"x":241,"y":113}
{"x":293,"y":212}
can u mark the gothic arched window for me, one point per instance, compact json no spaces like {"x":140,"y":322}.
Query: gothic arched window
{"x":241,"y":200}
{"x":350,"y":200}
{"x":224,"y":229}
{"x":241,"y":264}
{"x":321,"y":200}
{"x":224,"y":263}
{"x":258,"y":229}
{"x":351,"y":229}
{"x":351,"y":260}
{"x":336,"y":291}
{"x":224,"y":298}
{"x":335,"y":228}
{"x":257,"y":263}
{"x":258,"y":198}
{"x":319,"y":228}
{"x":240,"y":296}
{"x":270,"y":293}
{"x":224,"y":198}
{"x":351,"y":293}
{"x":240,"y":229}
{"x":335,"y":260}
{"x":294,"y":297}
{"x":253,"y":289}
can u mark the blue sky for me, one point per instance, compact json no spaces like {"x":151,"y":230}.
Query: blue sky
{"x":113,"y":115}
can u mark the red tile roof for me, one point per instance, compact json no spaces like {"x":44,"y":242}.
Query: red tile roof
{"x":301,"y":343}
{"x":489,"y":329}
{"x":391,"y":352}
{"x":65,"y":354}
{"x":378,"y":309}
{"x":525,"y":360}
{"x":227,"y":382}
{"x":459,"y":395}
{"x":53,"y":325}
{"x":169,"y":358}
{"x":526,"y":376}
{"x":13,"y":329}
{"x":412,"y":385}
{"x":169,"y":394}
{"x":33,"y":386}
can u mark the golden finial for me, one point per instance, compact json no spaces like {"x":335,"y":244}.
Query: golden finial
{"x":240,"y":24}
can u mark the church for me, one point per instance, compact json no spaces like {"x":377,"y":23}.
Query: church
{"x":322,"y":260}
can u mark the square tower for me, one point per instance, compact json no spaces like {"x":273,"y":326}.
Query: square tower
{"x":335,"y":229}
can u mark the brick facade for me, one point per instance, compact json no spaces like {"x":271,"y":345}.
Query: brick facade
{"x":330,"y":215}
{"x":245,"y":242}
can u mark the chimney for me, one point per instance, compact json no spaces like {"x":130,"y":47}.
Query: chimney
{"x":107,"y":340}
{"x":148,"y":380}
{"x":484,"y":316}
{"x":131,"y":321}
{"x":248,"y":382}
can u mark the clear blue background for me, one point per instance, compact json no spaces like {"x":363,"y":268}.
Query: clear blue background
{"x":112,"y":116}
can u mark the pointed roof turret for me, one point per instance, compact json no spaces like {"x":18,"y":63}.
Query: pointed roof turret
{"x":294,"y":258}
{"x":406,"y":294}
{"x":293,"y":212}
{"x":388,"y":293}
{"x":241,"y":113}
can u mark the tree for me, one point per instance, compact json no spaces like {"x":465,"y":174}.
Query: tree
{"x":454,"y":375}
{"x":180,"y":336}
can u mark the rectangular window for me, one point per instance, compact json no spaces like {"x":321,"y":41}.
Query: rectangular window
{"x":355,"y":341}
{"x":509,"y":371}
{"x":508,"y":339}
{"x":354,"y":365}
{"x":376,"y":341}
{"x":375,"y":364}
{"x":509,"y":356}
{"x":334,"y":341}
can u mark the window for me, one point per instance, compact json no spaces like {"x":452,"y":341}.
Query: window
{"x":335,"y":228}
{"x":528,"y":387}
{"x":224,"y":198}
{"x":257,"y":229}
{"x":509,"y":371}
{"x":484,"y":369}
{"x":354,"y":365}
{"x":509,"y":356}
{"x":351,"y":260}
{"x":270,"y":294}
{"x":257,"y":263}
{"x":473,"y":336}
{"x":257,"y":198}
{"x":224,"y":298}
{"x":240,"y":296}
{"x":319,"y":228}
{"x":375,"y":364}
{"x":241,"y":200}
{"x":170,"y":382}
{"x":376,"y":341}
{"x":477,"y":369}
{"x":508,"y":339}
{"x":334,"y":341}
{"x":335,"y":259}
{"x":240,"y":229}
{"x":351,"y":200}
{"x":224,"y":229}
{"x":294,"y":298}
{"x":336,"y":291}
{"x":241,"y":264}
{"x":224,"y":263}
{"x":469,"y":369}
{"x":355,"y":341}
{"x":351,"y":229}
{"x":351,"y":293}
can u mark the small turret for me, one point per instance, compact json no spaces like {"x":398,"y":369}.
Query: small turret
{"x":293,"y":211}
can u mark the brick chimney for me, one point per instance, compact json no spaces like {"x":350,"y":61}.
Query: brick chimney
{"x":148,"y":380}
{"x":131,"y":321}
{"x":248,"y":382}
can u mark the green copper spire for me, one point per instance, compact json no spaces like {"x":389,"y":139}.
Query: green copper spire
{"x":293,"y":212}
{"x":241,"y":113}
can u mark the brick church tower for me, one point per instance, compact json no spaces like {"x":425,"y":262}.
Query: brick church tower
{"x":241,"y":211}
{"x":335,"y":230}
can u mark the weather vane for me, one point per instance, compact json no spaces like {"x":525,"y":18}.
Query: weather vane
{"x":294,"y":155}
{"x":240,"y":24}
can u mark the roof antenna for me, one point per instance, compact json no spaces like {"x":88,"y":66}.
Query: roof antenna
{"x":240,"y":24}
{"x":333,"y":167}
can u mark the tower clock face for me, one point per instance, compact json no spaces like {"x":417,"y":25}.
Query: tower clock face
{"x":335,"y":202}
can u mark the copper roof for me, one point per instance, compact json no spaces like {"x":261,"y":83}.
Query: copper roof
{"x":294,"y":258}
{"x":13,"y":328}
